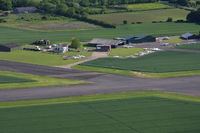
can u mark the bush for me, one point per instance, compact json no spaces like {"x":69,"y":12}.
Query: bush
{"x":169,"y":19}
{"x":2,"y":21}
{"x":75,"y":44}
{"x":138,"y":22}
{"x":180,"y":21}
{"x":125,"y":22}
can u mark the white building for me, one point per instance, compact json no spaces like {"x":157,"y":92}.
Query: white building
{"x":61,"y":48}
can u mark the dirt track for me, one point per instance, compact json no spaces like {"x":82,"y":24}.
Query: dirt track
{"x":104,"y":83}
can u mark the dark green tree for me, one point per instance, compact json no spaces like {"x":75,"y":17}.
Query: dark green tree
{"x":75,"y":44}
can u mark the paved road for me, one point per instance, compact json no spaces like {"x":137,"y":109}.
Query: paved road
{"x":104,"y":83}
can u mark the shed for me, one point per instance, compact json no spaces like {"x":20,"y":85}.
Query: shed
{"x":103,"y":48}
{"x":110,"y":42}
{"x":187,"y":36}
{"x":23,"y":10}
{"x":61,"y":48}
{"x":8,"y":47}
{"x":126,"y":39}
{"x":142,"y":38}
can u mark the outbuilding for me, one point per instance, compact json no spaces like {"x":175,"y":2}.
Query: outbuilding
{"x":106,"y":42}
{"x":8,"y":47}
{"x":137,"y":39}
{"x":104,"y":48}
{"x":188,"y":36}
{"x":142,"y":38}
{"x":61,"y":48}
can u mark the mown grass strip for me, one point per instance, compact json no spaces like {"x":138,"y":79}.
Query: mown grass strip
{"x":39,"y":81}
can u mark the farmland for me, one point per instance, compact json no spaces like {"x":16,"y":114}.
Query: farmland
{"x":147,"y":6}
{"x":12,"y":80}
{"x":39,"y":21}
{"x":146,"y":112}
{"x":189,"y":46}
{"x":21,"y":36}
{"x":159,"y":62}
{"x":142,"y":16}
{"x":48,"y":59}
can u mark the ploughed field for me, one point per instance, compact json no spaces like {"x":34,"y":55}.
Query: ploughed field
{"x":146,"y":114}
{"x":165,"y":61}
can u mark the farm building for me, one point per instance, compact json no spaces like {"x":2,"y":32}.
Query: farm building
{"x":187,"y":36}
{"x":107,"y":42}
{"x":126,"y":39}
{"x":8,"y":47}
{"x":103,"y":48}
{"x":61,"y":48}
{"x":137,"y":39}
{"x":22,"y":10}
{"x":142,"y":38}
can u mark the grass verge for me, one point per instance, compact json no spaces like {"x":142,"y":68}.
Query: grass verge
{"x":39,"y":81}
{"x":104,"y":70}
{"x":124,"y":52}
{"x":47,"y":59}
{"x":174,"y":40}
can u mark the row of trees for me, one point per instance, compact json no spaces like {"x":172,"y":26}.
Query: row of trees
{"x":194,"y":16}
{"x":6,"y":5}
{"x":189,"y":3}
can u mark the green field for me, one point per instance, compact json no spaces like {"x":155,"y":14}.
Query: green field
{"x":124,"y":52}
{"x":159,"y":62}
{"x":12,"y":80}
{"x":142,"y":16}
{"x":189,"y":46}
{"x":21,"y":36}
{"x":44,"y":22}
{"x":174,"y":40}
{"x":146,"y":112}
{"x":147,"y":6}
{"x":136,"y":74}
{"x":48,"y":59}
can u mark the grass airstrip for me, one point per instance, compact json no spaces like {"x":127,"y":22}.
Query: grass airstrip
{"x":133,"y":112}
{"x":12,"y":80}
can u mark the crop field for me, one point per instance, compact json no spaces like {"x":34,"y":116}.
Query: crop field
{"x":12,"y":80}
{"x":124,"y":52}
{"x":159,"y":62}
{"x":146,"y":112}
{"x":189,"y":46}
{"x":48,"y":59}
{"x":38,"y":21}
{"x":22,"y":36}
{"x":142,"y":16}
{"x":147,"y":6}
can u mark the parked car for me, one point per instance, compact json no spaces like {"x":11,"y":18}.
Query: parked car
{"x":164,"y":44}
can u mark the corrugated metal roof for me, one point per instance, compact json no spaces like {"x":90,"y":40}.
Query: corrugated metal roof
{"x":100,"y":41}
{"x":10,"y":45}
{"x":187,"y":35}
